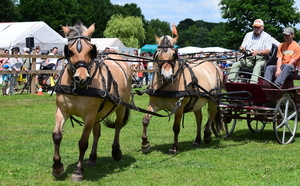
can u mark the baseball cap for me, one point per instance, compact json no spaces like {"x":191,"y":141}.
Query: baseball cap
{"x":26,"y":49}
{"x":288,"y":31}
{"x":258,"y":22}
{"x":5,"y":66}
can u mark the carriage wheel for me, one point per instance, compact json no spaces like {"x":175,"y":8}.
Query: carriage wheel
{"x":254,"y":125}
{"x":225,"y":128}
{"x":285,"y":121}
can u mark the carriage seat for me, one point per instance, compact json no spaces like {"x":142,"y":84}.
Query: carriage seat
{"x":272,"y":60}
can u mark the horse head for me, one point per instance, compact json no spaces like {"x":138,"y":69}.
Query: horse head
{"x":80,"y":52}
{"x":166,"y":55}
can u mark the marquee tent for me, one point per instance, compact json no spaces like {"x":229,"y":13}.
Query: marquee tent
{"x":15,"y":34}
{"x":102,"y":43}
{"x":189,"y":50}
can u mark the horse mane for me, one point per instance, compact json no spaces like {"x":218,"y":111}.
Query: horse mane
{"x":165,"y":44}
{"x":75,"y":30}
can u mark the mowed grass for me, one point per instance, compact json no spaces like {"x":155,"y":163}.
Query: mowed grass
{"x":27,"y":122}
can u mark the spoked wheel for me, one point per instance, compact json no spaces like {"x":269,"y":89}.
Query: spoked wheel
{"x":223,"y":126}
{"x":254,"y":125}
{"x":285,"y":121}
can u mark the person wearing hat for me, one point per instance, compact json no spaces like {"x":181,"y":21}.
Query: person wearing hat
{"x":5,"y":79}
{"x":259,"y":44}
{"x":287,"y":56}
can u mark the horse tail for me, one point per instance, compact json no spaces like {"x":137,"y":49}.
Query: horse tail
{"x":110,"y":124}
{"x":217,"y":119}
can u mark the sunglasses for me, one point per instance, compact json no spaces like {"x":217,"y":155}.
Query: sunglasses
{"x":257,"y":26}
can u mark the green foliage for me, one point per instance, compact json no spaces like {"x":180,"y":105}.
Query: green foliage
{"x":156,"y":27}
{"x":128,"y":29}
{"x":240,"y":15}
{"x":8,"y":11}
{"x":276,"y":15}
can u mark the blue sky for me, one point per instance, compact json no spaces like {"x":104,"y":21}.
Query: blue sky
{"x":178,"y":10}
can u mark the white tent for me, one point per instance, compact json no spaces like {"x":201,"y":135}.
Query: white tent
{"x":15,"y":34}
{"x":102,"y":43}
{"x":215,"y":49}
{"x":189,"y":50}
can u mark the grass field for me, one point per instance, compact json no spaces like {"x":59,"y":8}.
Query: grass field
{"x":27,"y":122}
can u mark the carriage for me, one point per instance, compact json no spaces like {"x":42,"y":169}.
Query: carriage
{"x":259,"y":104}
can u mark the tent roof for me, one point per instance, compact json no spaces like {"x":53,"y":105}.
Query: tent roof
{"x":191,"y":49}
{"x":102,"y":43}
{"x":15,"y":34}
{"x":151,"y":48}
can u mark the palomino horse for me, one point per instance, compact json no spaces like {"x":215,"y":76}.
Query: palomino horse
{"x":197,"y":84}
{"x":90,"y":88}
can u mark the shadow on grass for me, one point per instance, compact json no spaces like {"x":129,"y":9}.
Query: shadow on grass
{"x":104,"y":166}
{"x":238,"y":137}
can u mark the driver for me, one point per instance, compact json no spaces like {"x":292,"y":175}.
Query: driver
{"x":259,"y":44}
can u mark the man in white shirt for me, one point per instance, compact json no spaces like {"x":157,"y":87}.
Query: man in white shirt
{"x":259,"y":43}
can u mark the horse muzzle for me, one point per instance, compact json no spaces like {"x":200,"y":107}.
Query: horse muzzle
{"x":82,"y":77}
{"x":167,"y":80}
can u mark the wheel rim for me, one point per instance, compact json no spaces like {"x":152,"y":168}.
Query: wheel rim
{"x":224,"y":129}
{"x":285,"y":121}
{"x":254,"y":125}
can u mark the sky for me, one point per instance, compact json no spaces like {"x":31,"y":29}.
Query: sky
{"x":178,"y":10}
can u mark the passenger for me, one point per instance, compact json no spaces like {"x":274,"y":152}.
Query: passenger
{"x":287,"y":55}
{"x":260,"y":44}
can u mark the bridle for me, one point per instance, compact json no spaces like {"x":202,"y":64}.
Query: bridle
{"x":163,"y":47}
{"x":81,"y":63}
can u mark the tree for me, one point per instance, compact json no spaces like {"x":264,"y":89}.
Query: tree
{"x":61,"y":12}
{"x":240,"y":14}
{"x":54,"y":13}
{"x":156,"y":27}
{"x":8,"y":11}
{"x":128,"y":29}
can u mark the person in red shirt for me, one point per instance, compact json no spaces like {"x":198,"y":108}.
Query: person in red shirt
{"x":287,"y":55}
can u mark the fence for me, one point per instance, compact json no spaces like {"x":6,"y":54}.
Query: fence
{"x":35,"y":72}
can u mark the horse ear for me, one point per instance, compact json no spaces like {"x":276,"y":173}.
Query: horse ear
{"x":157,"y":39}
{"x":65,"y":29}
{"x":89,"y":31}
{"x":174,"y":40}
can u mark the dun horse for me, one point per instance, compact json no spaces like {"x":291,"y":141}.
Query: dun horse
{"x":197,"y":84}
{"x":90,"y":88}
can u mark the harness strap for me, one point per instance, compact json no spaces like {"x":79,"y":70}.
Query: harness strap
{"x":94,"y":92}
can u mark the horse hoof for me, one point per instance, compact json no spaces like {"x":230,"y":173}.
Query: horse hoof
{"x":195,"y":144}
{"x":58,"y":171}
{"x":172,"y":151}
{"x":90,"y":163}
{"x":116,"y":154}
{"x":77,"y":177}
{"x":58,"y":174}
{"x":146,"y":148}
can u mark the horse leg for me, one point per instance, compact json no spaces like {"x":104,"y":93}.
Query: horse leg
{"x":58,"y":167}
{"x":119,"y":123}
{"x":213,"y":110}
{"x":83,"y":145}
{"x":176,"y":130}
{"x":93,"y":155}
{"x":198,"y":116}
{"x":145,"y":143}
